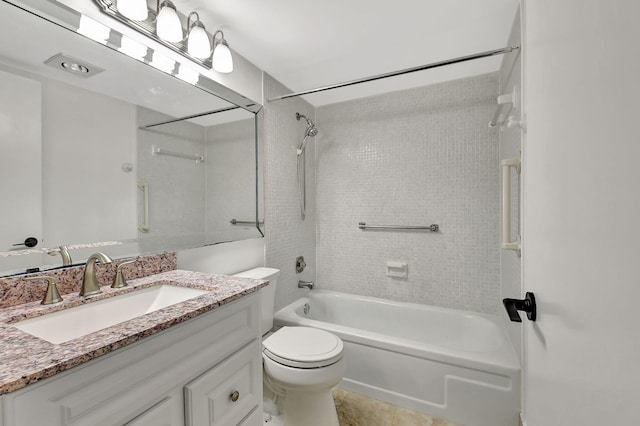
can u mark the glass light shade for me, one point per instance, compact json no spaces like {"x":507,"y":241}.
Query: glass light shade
{"x":133,"y":9}
{"x":168,"y":24}
{"x":198,"y":43}
{"x":222,"y":60}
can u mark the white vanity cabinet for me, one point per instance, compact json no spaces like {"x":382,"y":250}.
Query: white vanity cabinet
{"x":205,"y":371}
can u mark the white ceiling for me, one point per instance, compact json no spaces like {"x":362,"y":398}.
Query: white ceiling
{"x":308,"y":44}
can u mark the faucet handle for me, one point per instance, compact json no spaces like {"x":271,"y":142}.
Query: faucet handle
{"x":51,"y":296}
{"x":119,"y":281}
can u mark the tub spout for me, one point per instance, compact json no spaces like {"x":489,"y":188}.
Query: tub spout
{"x":306,"y":284}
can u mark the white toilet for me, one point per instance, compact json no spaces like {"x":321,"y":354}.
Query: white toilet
{"x":301,"y":364}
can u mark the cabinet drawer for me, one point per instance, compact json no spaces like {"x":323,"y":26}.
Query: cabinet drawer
{"x":163,"y":413}
{"x":225,"y":394}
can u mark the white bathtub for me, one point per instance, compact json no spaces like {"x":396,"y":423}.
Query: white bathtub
{"x":452,"y":364}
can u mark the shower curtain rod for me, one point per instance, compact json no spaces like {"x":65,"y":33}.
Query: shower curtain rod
{"x":202,"y":114}
{"x":401,"y":72}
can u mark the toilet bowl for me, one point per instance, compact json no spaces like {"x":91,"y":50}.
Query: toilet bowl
{"x":303,"y":364}
{"x":300,"y":364}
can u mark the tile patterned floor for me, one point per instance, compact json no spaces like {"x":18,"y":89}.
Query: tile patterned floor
{"x":357,"y":410}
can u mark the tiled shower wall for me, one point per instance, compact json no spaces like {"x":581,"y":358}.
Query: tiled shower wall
{"x":176,"y":185}
{"x":413,"y":157}
{"x":287,"y":236}
{"x":231,"y":180}
{"x":510,"y":146}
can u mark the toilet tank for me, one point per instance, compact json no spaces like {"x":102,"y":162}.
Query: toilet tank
{"x":267,"y":294}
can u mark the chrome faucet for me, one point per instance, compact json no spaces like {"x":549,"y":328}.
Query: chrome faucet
{"x":90,"y":284}
{"x":306,"y":284}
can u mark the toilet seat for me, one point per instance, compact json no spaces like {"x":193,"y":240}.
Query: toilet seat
{"x":303,"y":347}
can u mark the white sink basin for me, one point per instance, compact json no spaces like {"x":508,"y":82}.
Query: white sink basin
{"x":68,"y":324}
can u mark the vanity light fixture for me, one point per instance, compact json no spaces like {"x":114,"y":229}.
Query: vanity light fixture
{"x":134,"y":9}
{"x":164,"y":25}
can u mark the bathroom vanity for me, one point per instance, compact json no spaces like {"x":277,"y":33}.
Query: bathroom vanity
{"x":195,"y":363}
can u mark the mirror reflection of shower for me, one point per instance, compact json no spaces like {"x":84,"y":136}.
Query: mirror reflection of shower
{"x":310,"y":132}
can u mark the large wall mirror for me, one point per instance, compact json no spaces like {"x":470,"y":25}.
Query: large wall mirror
{"x":103,"y":152}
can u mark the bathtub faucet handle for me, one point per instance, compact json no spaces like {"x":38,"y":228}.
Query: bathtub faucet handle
{"x":306,"y":284}
{"x":528,"y":305}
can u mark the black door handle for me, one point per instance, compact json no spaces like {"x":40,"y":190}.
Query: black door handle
{"x":29,"y":242}
{"x":528,"y":305}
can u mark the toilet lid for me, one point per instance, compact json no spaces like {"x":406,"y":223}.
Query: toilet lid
{"x":303,"y":347}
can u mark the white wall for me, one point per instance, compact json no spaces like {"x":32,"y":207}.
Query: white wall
{"x":225,"y":258}
{"x":286,"y":235}
{"x":412,"y":157}
{"x":510,"y":147}
{"x":20,"y":163}
{"x":581,"y":210}
{"x":86,"y":137}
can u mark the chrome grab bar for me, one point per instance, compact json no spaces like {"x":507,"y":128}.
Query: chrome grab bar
{"x":244,"y":222}
{"x":432,"y":228}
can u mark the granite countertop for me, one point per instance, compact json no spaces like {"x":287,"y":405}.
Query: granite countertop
{"x":25,"y":359}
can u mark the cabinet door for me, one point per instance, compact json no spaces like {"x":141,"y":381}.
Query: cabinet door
{"x":164,"y":413}
{"x":228,"y":392}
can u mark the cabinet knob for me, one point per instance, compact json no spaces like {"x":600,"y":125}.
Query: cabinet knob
{"x":234,"y":396}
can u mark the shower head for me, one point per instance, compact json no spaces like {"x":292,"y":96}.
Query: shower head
{"x":311,"y":132}
{"x":309,"y":122}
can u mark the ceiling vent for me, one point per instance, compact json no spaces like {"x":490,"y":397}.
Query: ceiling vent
{"x":72,"y":65}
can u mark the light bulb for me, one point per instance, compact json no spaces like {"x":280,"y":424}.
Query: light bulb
{"x":168,"y":24}
{"x":222,"y":60}
{"x":133,"y":9}
{"x":198,"y":43}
